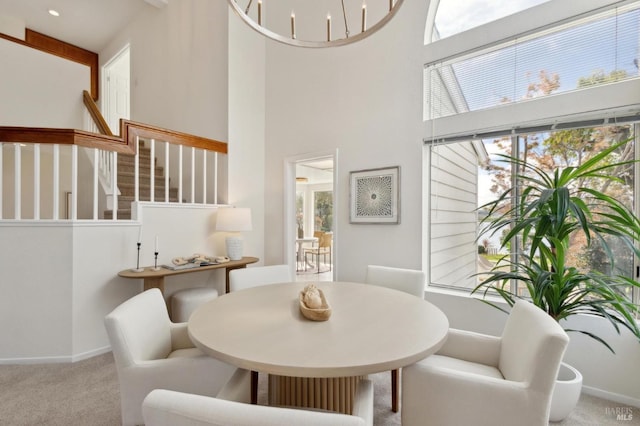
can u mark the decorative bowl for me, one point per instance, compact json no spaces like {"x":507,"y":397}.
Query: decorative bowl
{"x":315,"y":314}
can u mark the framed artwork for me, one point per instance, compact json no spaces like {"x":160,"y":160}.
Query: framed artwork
{"x":374,"y":196}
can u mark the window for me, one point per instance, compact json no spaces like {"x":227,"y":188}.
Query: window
{"x":300,"y":213}
{"x":455,"y":16}
{"x":595,"y":50}
{"x":456,"y":257}
{"x":323,"y":211}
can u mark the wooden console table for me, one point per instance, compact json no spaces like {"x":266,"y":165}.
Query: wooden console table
{"x":155,"y":279}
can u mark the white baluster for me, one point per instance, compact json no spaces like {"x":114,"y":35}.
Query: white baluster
{"x":204,"y":176}
{"x":114,"y":183}
{"x":215,"y":178}
{"x":180,"y":173}
{"x":166,"y":172}
{"x":56,"y":182}
{"x":36,"y":181}
{"x":17,"y":178}
{"x":96,"y":160}
{"x":193,"y":175}
{"x":152,"y":171}
{"x":74,"y":182}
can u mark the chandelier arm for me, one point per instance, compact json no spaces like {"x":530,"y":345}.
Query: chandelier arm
{"x":344,"y":15}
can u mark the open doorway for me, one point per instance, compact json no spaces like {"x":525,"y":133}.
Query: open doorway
{"x":314,"y":219}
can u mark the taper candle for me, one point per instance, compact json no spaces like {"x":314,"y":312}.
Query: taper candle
{"x":156,"y":243}
{"x":328,"y":27}
{"x":293,"y":25}
{"x":364,"y":17}
{"x":390,"y":5}
{"x":259,"y":12}
{"x":140,"y":235}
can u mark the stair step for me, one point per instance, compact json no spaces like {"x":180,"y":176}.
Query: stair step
{"x":129,"y":178}
{"x":126,"y":179}
{"x":145,"y":191}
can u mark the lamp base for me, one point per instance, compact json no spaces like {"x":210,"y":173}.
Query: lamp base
{"x":234,"y":247}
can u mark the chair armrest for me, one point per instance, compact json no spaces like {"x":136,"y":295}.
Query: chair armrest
{"x":435,"y":393}
{"x":179,"y":336}
{"x":237,"y":388}
{"x":473,"y":347}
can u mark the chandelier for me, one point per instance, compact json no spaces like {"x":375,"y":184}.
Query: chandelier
{"x":315,"y":23}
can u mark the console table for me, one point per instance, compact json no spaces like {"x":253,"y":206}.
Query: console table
{"x":155,"y":279}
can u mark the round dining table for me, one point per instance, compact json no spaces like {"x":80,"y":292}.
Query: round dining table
{"x":371,"y":329}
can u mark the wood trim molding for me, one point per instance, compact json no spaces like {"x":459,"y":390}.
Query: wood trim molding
{"x":64,"y":137}
{"x":124,"y":145}
{"x":130,"y":129}
{"x":64,"y":50}
{"x":95,"y":113}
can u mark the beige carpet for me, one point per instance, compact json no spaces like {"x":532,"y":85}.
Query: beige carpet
{"x":86,"y":393}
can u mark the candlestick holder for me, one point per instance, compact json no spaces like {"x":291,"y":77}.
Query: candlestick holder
{"x":155,"y":262}
{"x":138,"y":268}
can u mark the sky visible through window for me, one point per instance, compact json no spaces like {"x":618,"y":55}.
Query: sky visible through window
{"x":607,"y":45}
{"x":455,"y":16}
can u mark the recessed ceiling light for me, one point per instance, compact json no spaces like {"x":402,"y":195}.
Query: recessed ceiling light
{"x":53,"y":12}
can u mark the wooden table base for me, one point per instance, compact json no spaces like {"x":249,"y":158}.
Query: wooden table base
{"x":333,"y":393}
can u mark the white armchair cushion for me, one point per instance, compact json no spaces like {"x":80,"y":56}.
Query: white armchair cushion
{"x":486,"y":380}
{"x":455,"y":364}
{"x":408,"y":280}
{"x":169,"y":408}
{"x":150,"y":352}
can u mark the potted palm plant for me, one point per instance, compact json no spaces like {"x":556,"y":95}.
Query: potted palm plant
{"x":553,"y":209}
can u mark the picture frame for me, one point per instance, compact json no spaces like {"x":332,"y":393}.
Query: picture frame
{"x":374,"y":196}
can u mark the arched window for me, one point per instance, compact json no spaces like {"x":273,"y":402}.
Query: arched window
{"x":455,"y":16}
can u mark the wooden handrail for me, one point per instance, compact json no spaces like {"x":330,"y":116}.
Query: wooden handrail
{"x":95,"y":113}
{"x":125,"y":145}
{"x":130,"y":129}
{"x":64,"y":50}
{"x":64,"y":137}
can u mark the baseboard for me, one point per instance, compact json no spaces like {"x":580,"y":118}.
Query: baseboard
{"x":56,"y":359}
{"x":611,"y":396}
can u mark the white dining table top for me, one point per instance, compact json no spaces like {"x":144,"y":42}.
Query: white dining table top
{"x":371,"y":329}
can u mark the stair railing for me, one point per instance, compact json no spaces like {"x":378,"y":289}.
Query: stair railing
{"x":47,"y":180}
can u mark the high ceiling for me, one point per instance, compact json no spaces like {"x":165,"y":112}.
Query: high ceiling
{"x":89,"y":24}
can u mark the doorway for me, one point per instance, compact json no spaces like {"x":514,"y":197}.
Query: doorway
{"x":116,"y":89}
{"x":315,"y":224}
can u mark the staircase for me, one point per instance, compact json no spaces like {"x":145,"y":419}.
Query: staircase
{"x":126,"y":183}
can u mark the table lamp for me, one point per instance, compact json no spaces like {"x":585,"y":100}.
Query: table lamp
{"x":234,"y":220}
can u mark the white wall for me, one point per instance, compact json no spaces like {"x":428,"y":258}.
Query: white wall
{"x":247,"y":124}
{"x":364,"y":99}
{"x":179,"y":66}
{"x":59,"y":279}
{"x":39,"y":89}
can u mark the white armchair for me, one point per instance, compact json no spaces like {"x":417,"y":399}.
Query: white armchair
{"x":169,"y":408}
{"x":151,"y":352}
{"x":486,"y":380}
{"x":242,"y":278}
{"x":407,"y":280}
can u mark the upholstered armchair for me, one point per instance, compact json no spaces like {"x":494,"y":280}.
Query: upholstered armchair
{"x":407,"y":280}
{"x":478,"y":379}
{"x":169,"y":408}
{"x":151,"y":352}
{"x":242,"y":278}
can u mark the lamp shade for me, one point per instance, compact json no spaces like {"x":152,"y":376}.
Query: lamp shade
{"x":233,"y":219}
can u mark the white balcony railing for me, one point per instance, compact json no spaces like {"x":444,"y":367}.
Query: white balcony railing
{"x":59,"y":174}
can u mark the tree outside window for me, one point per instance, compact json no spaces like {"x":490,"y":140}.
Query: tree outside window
{"x":323,"y":211}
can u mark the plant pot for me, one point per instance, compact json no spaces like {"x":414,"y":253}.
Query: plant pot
{"x":565,"y":393}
